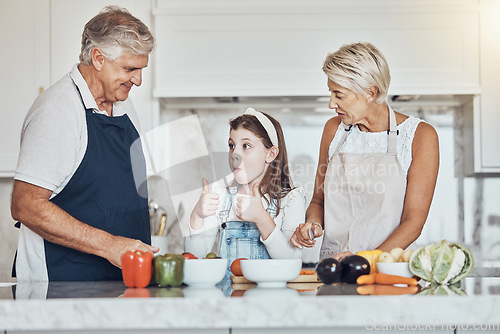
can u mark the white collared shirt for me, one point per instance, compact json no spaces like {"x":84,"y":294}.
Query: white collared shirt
{"x":54,"y":134}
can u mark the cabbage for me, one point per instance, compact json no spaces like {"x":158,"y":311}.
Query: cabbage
{"x":442,"y":262}
{"x":439,"y":289}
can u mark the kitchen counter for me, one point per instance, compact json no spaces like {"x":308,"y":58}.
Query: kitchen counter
{"x":107,"y":306}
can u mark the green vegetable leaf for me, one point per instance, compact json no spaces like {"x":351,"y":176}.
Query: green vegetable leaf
{"x":420,"y":263}
{"x":442,"y":262}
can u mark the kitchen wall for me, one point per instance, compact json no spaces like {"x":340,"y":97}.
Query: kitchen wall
{"x":464,"y":209}
{"x":8,"y":233}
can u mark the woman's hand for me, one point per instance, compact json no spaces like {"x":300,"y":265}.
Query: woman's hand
{"x":207,"y":205}
{"x":341,"y":255}
{"x":250,"y":209}
{"x":301,"y":237}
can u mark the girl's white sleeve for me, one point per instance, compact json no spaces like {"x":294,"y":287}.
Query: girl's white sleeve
{"x":292,"y":214}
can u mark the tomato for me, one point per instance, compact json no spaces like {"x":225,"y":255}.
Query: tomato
{"x":236,"y":266}
{"x":188,"y":256}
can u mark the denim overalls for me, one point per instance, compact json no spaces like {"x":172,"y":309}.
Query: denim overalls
{"x":241,"y":238}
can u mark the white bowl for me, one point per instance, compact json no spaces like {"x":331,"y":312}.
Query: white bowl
{"x":267,"y":293}
{"x":395,"y":268}
{"x":211,"y":292}
{"x":204,"y":272}
{"x":271,"y":273}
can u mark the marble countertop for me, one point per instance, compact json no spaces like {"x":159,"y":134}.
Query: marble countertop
{"x":110,"y":305}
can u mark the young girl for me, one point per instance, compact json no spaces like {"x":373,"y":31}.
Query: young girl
{"x":255,"y":216}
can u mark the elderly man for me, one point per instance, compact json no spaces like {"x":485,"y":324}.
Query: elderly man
{"x":74,"y":193}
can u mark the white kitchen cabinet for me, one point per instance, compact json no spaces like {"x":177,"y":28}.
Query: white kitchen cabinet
{"x":25,"y":61}
{"x":487,"y":112}
{"x":482,"y":114}
{"x":262,"y":48}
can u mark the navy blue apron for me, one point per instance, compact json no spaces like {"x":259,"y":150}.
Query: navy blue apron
{"x":102,"y":193}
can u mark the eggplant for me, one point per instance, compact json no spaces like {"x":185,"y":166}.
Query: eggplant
{"x":337,"y":290}
{"x":354,"y":266}
{"x":328,"y":271}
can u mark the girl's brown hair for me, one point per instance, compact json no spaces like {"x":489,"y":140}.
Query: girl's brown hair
{"x":276,"y":181}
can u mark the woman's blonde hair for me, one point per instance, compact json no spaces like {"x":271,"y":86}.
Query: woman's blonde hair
{"x":358,"y":67}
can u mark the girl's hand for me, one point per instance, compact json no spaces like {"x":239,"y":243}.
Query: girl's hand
{"x":250,"y":209}
{"x":207,"y":204}
{"x":301,"y":237}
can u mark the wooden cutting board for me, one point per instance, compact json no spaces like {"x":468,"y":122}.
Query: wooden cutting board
{"x":300,"y":279}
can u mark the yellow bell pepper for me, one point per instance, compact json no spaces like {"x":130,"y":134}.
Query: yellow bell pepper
{"x":372,"y":257}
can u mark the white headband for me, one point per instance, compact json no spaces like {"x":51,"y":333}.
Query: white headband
{"x":266,"y":123}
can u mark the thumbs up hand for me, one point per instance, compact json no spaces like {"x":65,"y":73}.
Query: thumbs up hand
{"x":250,"y":208}
{"x":207,"y":204}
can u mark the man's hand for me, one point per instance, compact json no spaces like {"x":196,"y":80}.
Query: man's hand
{"x":120,"y":245}
{"x":31,"y":206}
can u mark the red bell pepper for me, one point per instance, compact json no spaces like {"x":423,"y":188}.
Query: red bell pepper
{"x":137,"y":293}
{"x":137,"y":268}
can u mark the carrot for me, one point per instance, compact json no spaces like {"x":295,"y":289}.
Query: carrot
{"x":366,"y":279}
{"x":381,"y":278}
{"x":386,"y":290}
{"x":385,"y":279}
{"x":366,"y":289}
{"x":306,"y":272}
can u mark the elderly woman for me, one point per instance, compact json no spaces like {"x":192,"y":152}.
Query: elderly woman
{"x":377,"y":168}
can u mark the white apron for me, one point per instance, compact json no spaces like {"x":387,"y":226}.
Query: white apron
{"x":364,"y":197}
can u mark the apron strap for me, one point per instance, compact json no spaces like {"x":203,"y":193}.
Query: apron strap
{"x":228,"y":203}
{"x":344,"y":136}
{"x":393,"y":132}
{"x":80,"y":95}
{"x":272,"y":209}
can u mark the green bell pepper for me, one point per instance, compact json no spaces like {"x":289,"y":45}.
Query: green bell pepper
{"x":168,"y":270}
{"x":169,"y":293}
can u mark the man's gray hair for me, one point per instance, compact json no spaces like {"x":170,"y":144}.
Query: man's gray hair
{"x":114,"y":31}
{"x":358,"y":67}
